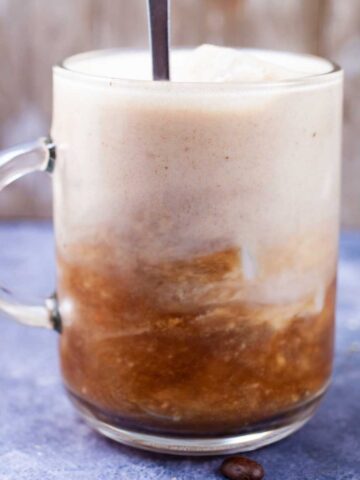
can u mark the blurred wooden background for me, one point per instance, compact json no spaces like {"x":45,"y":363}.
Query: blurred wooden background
{"x":34,"y":34}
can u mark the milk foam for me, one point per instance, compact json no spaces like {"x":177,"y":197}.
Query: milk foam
{"x":160,"y":172}
{"x":207,"y":63}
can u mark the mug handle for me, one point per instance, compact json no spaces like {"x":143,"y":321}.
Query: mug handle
{"x":15,"y":163}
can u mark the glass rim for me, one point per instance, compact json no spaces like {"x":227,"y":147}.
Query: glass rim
{"x":334,"y":72}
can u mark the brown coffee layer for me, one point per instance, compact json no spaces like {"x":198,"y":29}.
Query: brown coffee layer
{"x":167,"y":346}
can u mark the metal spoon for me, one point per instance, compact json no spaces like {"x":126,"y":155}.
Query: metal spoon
{"x":159,"y":38}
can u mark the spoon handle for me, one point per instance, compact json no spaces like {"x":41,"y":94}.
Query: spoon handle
{"x":159,"y":37}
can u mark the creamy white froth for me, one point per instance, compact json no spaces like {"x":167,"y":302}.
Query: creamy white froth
{"x":207,"y":63}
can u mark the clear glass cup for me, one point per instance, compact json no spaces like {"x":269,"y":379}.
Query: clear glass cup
{"x":196,"y":234}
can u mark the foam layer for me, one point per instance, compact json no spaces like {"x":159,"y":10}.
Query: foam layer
{"x":176,"y":175}
{"x":207,"y":63}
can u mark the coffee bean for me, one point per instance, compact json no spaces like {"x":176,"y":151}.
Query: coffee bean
{"x":241,"y":468}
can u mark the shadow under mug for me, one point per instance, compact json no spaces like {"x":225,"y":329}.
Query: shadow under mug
{"x":196,"y":234}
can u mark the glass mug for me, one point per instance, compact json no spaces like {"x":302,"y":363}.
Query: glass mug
{"x":196,"y":235}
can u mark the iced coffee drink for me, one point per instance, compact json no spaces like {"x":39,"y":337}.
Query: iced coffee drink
{"x":197,"y":236}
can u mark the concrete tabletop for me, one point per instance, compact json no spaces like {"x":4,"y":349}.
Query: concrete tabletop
{"x":41,"y":436}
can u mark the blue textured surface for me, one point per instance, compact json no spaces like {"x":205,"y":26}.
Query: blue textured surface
{"x":41,"y":436}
